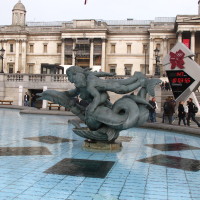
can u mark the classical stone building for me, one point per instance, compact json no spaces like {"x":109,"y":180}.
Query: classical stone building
{"x":121,"y":46}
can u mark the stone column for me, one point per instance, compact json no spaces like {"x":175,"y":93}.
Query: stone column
{"x":179,"y":36}
{"x":2,"y":86}
{"x":44,"y":102}
{"x":4,"y":45}
{"x":73,"y":56}
{"x":165,"y":51}
{"x":17,"y":56}
{"x":165,"y":46}
{"x":192,"y":41}
{"x":23,"y":67}
{"x":103,"y":56}
{"x":20,"y":96}
{"x":151,"y":58}
{"x":199,"y":7}
{"x":63,"y":52}
{"x":91,"y":53}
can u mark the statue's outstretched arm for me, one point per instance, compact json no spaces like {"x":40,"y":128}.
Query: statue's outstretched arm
{"x":72,"y":93}
{"x":103,"y":74}
{"x":119,"y":88}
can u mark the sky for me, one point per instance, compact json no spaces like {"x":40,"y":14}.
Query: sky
{"x":66,"y":10}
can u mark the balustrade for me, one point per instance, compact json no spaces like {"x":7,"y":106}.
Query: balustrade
{"x":59,"y":78}
{"x":15,"y":77}
{"x":35,"y":78}
{"x":42,"y":78}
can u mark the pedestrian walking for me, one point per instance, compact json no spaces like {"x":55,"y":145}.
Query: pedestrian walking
{"x":192,"y":110}
{"x":181,"y":113}
{"x":169,"y":110}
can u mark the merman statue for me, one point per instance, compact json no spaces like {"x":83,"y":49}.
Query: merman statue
{"x":104,"y":120}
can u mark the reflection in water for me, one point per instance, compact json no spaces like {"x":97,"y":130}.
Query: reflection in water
{"x":174,"y":162}
{"x":23,"y":151}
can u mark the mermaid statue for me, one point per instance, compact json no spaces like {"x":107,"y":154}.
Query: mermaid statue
{"x":103,"y":119}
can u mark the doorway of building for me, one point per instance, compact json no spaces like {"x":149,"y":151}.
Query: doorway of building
{"x":34,"y":102}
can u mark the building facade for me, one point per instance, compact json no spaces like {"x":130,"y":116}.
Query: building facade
{"x":38,"y":53}
{"x":121,"y":46}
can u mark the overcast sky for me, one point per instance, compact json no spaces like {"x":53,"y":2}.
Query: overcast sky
{"x":64,"y":10}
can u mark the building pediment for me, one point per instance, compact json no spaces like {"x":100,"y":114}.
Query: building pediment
{"x":188,"y":19}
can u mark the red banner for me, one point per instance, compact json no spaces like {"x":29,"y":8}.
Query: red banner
{"x":186,"y":42}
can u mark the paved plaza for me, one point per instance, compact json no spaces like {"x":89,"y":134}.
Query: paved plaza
{"x":42,"y":159}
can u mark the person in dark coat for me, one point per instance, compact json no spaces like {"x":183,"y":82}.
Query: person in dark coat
{"x":26,"y":99}
{"x":191,"y":113}
{"x":152,"y":111}
{"x":169,"y":110}
{"x":181,"y":113}
{"x":167,"y":86}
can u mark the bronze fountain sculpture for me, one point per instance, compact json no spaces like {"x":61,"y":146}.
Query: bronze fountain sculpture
{"x":103,"y":119}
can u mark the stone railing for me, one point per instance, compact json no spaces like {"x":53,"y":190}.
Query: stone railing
{"x":36,"y":78}
{"x":57,"y":78}
{"x":14,"y":77}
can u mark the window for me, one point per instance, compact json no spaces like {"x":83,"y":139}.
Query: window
{"x":128,"y":48}
{"x":112,"y":48}
{"x":31,"y":48}
{"x":68,"y":60}
{"x":11,"y":48}
{"x":112,"y":68}
{"x":45,"y":48}
{"x":97,"y":59}
{"x":58,"y":48}
{"x":10,"y":68}
{"x":128,"y":69}
{"x":30,"y":66}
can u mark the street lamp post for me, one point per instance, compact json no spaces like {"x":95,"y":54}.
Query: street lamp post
{"x":75,"y":54}
{"x":2,"y":54}
{"x":157,"y":70}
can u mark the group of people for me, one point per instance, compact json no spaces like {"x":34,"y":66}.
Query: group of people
{"x":29,"y":101}
{"x":185,"y":113}
{"x":165,"y":86}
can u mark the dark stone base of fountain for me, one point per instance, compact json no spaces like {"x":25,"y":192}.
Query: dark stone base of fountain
{"x":102,"y":146}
